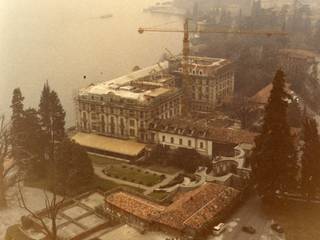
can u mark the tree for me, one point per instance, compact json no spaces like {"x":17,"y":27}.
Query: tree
{"x":16,"y":121}
{"x":72,"y":163}
{"x":310,"y":179}
{"x":273,"y":159}
{"x":4,"y":154}
{"x":32,"y":141}
{"x":294,"y":114}
{"x":53,"y":205}
{"x":243,"y":111}
{"x":187,"y":159}
{"x":51,"y":110}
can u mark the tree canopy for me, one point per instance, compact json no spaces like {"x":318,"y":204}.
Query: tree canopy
{"x":274,"y":157}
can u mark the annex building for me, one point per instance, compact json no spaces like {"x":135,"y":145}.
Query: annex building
{"x":201,"y":135}
{"x":190,"y":213}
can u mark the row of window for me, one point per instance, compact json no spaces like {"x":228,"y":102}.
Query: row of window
{"x":189,"y":142}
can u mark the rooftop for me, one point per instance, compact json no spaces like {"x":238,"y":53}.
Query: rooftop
{"x":189,"y":210}
{"x":139,"y":85}
{"x":109,"y":144}
{"x":212,"y":64}
{"x":203,"y":129}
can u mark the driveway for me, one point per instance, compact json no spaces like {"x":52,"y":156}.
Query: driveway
{"x":250,"y":214}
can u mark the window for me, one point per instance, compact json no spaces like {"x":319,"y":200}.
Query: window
{"x":163,"y":138}
{"x":132,"y":123}
{"x":180,"y":141}
{"x":189,"y":143}
{"x":172,"y":140}
{"x":132,"y":133}
{"x":201,"y":145}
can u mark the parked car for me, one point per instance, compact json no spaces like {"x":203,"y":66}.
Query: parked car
{"x":276,"y":227}
{"x":249,"y":229}
{"x":218,"y":229}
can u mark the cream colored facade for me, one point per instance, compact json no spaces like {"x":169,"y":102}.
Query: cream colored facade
{"x":212,"y":80}
{"x":174,"y":141}
{"x":124,"y":107}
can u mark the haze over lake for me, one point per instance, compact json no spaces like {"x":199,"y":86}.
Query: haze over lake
{"x":61,"y":41}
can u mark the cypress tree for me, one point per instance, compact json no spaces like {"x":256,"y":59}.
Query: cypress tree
{"x":274,"y":158}
{"x":58,"y":116}
{"x":32,"y":141}
{"x":310,"y":158}
{"x":45,"y":109}
{"x":16,"y":121}
{"x":52,"y":114}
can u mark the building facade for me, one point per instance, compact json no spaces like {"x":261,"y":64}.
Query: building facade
{"x":198,"y":135}
{"x":295,"y":62}
{"x":212,"y":80}
{"x":125,"y":106}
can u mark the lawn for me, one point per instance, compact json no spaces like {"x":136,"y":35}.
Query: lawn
{"x":102,"y":160}
{"x":106,"y":185}
{"x":163,"y":169}
{"x":299,"y":220}
{"x":133,"y":174}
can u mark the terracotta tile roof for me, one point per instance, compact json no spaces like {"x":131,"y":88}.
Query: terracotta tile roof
{"x":203,"y":131}
{"x":189,"y":210}
{"x":134,"y":205}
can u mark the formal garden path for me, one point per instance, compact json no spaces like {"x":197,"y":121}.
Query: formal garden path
{"x":100,"y":164}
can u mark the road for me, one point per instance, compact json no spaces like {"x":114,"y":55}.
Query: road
{"x":250,"y":214}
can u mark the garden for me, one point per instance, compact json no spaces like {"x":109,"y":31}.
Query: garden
{"x":133,"y":174}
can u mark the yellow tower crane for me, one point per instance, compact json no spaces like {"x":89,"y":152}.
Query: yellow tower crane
{"x":186,"y":83}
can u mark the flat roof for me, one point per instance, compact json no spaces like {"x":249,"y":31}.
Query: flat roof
{"x":109,"y":144}
{"x":122,"y":86}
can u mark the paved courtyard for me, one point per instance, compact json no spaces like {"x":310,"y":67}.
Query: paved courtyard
{"x":249,"y":214}
{"x":126,"y":232}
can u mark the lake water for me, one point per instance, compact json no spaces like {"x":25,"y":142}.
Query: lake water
{"x":63,"y":40}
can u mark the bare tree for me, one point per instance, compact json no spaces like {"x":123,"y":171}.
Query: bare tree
{"x":55,"y":202}
{"x":53,"y":205}
{"x":4,"y":151}
{"x":243,"y":111}
{"x":5,"y":155}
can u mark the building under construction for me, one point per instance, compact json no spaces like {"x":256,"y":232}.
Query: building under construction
{"x":124,"y":107}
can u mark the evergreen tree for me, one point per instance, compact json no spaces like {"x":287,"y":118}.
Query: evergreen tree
{"x":58,"y":116}
{"x":294,"y":114}
{"x":16,"y":121}
{"x":32,"y":141}
{"x":73,"y":167}
{"x":52,"y":114}
{"x":274,"y":157}
{"x":45,"y":109}
{"x":310,"y":158}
